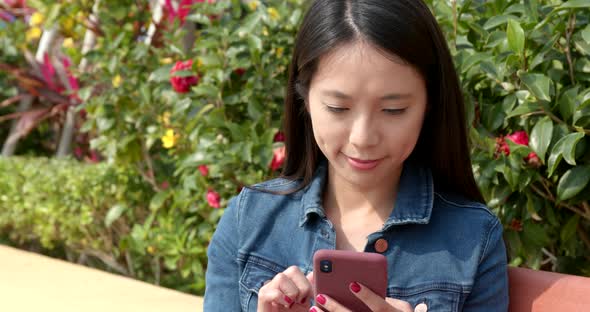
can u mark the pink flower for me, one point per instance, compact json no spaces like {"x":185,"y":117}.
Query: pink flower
{"x":519,"y":137}
{"x":94,"y":157}
{"x":213,"y":198}
{"x":184,"y":8}
{"x":183,"y":84}
{"x":165,"y":185}
{"x":278,"y":158}
{"x":78,"y":152}
{"x":204,"y":170}
{"x":279,"y":137}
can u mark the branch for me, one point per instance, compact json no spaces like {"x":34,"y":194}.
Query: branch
{"x":568,"y":34}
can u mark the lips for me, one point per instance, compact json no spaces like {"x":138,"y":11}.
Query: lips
{"x":363,"y":164}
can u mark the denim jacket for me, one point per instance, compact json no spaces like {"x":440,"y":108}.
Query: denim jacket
{"x":443,"y":250}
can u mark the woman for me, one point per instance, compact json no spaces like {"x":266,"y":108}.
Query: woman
{"x":377,"y":161}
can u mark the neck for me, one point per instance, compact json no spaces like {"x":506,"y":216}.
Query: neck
{"x":343,"y":198}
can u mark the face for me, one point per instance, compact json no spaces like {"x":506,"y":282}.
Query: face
{"x":367,"y":111}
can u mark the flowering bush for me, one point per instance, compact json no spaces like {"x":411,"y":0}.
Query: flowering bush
{"x":524,"y":69}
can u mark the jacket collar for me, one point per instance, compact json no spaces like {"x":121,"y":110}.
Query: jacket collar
{"x":413,"y":204}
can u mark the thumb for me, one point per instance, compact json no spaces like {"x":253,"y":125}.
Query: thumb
{"x":310,"y":277}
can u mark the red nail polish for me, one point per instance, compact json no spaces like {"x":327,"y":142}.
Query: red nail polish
{"x":355,"y":287}
{"x":320,"y":299}
{"x":313,"y":309}
{"x":289,"y":300}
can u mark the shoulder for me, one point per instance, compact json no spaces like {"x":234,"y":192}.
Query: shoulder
{"x":264,"y":197}
{"x":466,"y":216}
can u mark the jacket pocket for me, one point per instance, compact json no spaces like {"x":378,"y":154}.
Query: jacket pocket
{"x":438,"y":297}
{"x":257,"y":270}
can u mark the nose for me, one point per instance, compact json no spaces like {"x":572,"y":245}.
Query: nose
{"x":364,"y":132}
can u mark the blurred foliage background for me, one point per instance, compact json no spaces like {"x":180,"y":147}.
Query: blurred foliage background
{"x":126,"y":126}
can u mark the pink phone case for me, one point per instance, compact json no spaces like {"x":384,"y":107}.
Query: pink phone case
{"x":369,"y":269}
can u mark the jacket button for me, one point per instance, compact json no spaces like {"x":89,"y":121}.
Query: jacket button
{"x":381,"y":245}
{"x":421,"y":308}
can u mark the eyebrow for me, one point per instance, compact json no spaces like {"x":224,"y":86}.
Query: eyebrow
{"x":391,"y":96}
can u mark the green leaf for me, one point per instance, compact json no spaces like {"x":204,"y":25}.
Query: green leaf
{"x":524,"y":109}
{"x":158,"y":200}
{"x":575,"y":4}
{"x":564,"y":148}
{"x":541,"y":137}
{"x":573,"y":181}
{"x":567,"y":103}
{"x":498,"y":20}
{"x":586,"y":33}
{"x":161,"y":74}
{"x":569,"y":229}
{"x":515,"y":36}
{"x":538,"y":84}
{"x":113,"y":214}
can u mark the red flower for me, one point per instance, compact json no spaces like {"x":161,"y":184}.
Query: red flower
{"x":165,"y":185}
{"x":240,"y":71}
{"x":279,"y":137}
{"x":278,"y":158}
{"x":204,"y":170}
{"x":213,"y":198}
{"x":183,"y":84}
{"x":518,"y":137}
{"x":516,"y":225}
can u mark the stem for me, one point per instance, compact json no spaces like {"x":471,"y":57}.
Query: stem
{"x":150,"y":176}
{"x":455,"y":23}
{"x":583,"y":236}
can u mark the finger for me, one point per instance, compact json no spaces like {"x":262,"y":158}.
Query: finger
{"x":270,"y":298}
{"x":328,"y":304}
{"x":301,"y":282}
{"x":376,"y":302}
{"x":287,"y":287}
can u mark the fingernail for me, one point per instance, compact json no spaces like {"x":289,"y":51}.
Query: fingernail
{"x":313,"y":309}
{"x":289,"y":300}
{"x":355,"y":287}
{"x":321,"y":299}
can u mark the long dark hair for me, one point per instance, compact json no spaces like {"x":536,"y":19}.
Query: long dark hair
{"x":408,"y":30}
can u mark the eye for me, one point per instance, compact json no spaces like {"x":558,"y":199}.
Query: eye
{"x":335,"y":109}
{"x":394,"y":111}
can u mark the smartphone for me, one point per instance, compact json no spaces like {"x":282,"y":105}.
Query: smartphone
{"x":334,"y":270}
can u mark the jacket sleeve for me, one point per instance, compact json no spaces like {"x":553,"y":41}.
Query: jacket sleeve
{"x":222,"y":275}
{"x":490,"y":289}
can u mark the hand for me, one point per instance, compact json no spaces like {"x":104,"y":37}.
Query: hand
{"x":289,"y":290}
{"x":372,"y":300}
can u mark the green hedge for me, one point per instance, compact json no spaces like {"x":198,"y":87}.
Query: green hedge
{"x":98,"y":215}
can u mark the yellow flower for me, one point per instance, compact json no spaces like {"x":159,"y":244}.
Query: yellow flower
{"x":117,"y":81}
{"x":68,"y":25}
{"x":33,"y":33}
{"x":265,"y":32}
{"x":253,"y":5}
{"x":280,"y":51}
{"x":166,"y":60}
{"x":274,"y":14}
{"x":151,"y":250}
{"x":165,"y":118}
{"x":199,"y":63}
{"x":169,"y":140}
{"x":36,"y":19}
{"x":68,"y":43}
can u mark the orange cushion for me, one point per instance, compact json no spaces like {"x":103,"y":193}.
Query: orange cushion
{"x":539,"y":291}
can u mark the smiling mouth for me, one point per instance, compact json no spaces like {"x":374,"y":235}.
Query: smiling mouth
{"x":365,"y":161}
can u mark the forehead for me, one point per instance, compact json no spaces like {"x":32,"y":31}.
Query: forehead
{"x":360,"y":65}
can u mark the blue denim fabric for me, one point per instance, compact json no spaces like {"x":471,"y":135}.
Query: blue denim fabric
{"x":443,"y":250}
